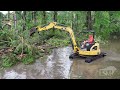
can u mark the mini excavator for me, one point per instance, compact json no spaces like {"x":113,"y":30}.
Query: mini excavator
{"x":92,"y":51}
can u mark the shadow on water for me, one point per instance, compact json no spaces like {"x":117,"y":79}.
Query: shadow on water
{"x":59,"y":66}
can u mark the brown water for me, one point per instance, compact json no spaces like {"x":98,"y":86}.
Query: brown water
{"x":104,"y":68}
{"x":59,"y":66}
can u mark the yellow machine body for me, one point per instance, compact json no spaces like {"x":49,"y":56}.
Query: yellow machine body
{"x":76,"y":49}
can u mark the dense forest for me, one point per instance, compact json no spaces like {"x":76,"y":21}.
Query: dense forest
{"x":17,"y":46}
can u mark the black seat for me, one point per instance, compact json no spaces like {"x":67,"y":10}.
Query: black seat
{"x":89,"y":45}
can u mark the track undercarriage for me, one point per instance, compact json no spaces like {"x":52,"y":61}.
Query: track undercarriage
{"x":88,"y":59}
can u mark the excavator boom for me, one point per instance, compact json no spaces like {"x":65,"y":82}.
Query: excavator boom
{"x":59,"y":27}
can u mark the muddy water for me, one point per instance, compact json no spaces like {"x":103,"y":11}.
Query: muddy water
{"x":104,"y":68}
{"x":56,"y":66}
{"x":59,"y":66}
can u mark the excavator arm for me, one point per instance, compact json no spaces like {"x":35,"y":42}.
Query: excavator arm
{"x":59,"y":27}
{"x":91,"y":55}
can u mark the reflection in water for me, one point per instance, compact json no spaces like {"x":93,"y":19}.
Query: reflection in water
{"x":58,"y":64}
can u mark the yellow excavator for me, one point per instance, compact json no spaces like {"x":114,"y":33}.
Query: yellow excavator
{"x":92,"y":52}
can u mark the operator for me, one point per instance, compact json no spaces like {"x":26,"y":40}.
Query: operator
{"x":88,"y":42}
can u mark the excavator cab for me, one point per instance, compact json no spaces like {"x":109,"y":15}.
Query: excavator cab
{"x":90,"y":41}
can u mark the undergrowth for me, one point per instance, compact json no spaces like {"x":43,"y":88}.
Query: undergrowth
{"x":25,"y":48}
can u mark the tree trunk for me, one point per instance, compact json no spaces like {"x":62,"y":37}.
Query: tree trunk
{"x":24,"y":20}
{"x":1,"y":20}
{"x":24,"y":15}
{"x":34,"y":17}
{"x":73,"y":20}
{"x":89,"y":20}
{"x":44,"y":17}
{"x":8,"y":15}
{"x":8,"y":19}
{"x":55,"y":16}
{"x":77,"y":22}
{"x":15,"y":20}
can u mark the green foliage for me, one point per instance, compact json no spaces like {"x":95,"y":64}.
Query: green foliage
{"x":7,"y":37}
{"x":9,"y":60}
{"x":107,"y":23}
{"x":115,"y":23}
{"x":102,"y":24}
{"x":58,"y":42}
{"x":1,"y":15}
{"x":28,"y":59}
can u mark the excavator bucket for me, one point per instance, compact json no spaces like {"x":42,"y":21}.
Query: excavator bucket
{"x":32,"y":31}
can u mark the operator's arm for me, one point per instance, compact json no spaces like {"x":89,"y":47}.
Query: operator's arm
{"x":88,"y":41}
